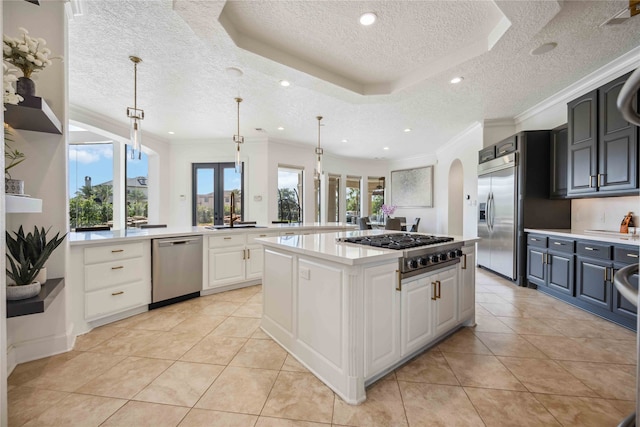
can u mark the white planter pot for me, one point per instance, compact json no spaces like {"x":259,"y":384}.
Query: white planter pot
{"x":15,"y":292}
{"x":42,"y":275}
{"x":14,"y":186}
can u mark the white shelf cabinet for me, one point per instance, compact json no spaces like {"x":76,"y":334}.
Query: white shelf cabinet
{"x":21,"y":204}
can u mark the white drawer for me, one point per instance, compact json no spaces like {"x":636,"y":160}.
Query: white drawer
{"x":97,"y":276}
{"x":112,"y":252}
{"x":225,"y":241}
{"x":252,"y":236}
{"x":115,"y":299}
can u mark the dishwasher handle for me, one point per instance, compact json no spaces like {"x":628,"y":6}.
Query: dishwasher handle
{"x":178,"y":241}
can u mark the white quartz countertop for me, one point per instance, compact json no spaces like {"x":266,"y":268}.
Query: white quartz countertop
{"x":132,"y":234}
{"x":325,"y":246}
{"x":595,"y":235}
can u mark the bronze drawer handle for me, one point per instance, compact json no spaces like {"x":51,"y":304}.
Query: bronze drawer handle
{"x":117,"y":293}
{"x":118,"y":267}
{"x":399,"y":287}
{"x":464,"y":258}
{"x":263,"y":235}
{"x":227,"y":238}
{"x":434,"y":297}
{"x":117,"y":250}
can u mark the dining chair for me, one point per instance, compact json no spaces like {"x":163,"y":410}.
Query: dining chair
{"x":393,"y":224}
{"x":403,"y":220}
{"x":100,"y":228}
{"x":414,"y":227}
{"x":153,"y":226}
{"x":363,"y":223}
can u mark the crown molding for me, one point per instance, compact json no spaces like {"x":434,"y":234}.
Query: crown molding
{"x":495,"y":123}
{"x":616,"y":68}
{"x":459,"y":138}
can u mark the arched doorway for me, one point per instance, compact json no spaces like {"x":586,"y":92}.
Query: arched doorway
{"x":456,"y":198}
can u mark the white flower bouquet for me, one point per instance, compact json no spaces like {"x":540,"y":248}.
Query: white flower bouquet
{"x":10,"y":95}
{"x":27,"y":53}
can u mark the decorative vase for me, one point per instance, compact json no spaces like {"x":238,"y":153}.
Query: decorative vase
{"x":14,"y":186}
{"x":18,"y":292}
{"x":25,"y":87}
{"x":42,"y":275}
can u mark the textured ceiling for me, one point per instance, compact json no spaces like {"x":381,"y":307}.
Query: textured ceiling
{"x":184,"y":88}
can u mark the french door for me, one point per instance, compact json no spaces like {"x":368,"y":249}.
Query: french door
{"x":213,"y":185}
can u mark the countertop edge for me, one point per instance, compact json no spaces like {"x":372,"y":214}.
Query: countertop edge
{"x":580,"y":234}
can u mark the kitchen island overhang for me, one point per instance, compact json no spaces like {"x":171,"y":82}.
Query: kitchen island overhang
{"x":345,"y":312}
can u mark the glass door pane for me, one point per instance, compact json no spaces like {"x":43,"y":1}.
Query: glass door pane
{"x":290,"y":194}
{"x":353,"y":198}
{"x":136,"y":190}
{"x":213,"y":184}
{"x":232,"y":186}
{"x":204,"y":196}
{"x":333,"y":207}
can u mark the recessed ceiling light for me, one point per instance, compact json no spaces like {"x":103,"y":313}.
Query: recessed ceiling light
{"x":547,"y":47}
{"x":368,"y":18}
{"x":385,"y":148}
{"x":280,"y":128}
{"x":284,"y":83}
{"x":407,"y":130}
{"x":171,"y":132}
{"x":457,"y":80}
{"x":344,"y":140}
{"x":234,"y":71}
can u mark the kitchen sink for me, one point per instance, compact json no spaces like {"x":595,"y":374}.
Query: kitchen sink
{"x":226,"y":227}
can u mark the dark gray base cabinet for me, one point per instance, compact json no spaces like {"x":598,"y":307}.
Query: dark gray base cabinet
{"x":582,"y":276}
{"x":593,"y":282}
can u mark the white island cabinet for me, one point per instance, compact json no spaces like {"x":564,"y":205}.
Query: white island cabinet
{"x":344,"y":311}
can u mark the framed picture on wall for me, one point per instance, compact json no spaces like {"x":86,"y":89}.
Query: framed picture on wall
{"x":412,"y":188}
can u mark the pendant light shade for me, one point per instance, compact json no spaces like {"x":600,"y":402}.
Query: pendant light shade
{"x":135,"y":114}
{"x":319,"y":152}
{"x":238,"y":139}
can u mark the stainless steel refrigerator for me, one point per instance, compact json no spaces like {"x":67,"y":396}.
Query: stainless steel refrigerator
{"x":513,"y":194}
{"x":497,"y":183}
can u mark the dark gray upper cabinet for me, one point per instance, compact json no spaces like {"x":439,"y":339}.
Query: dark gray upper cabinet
{"x":559,"y":141}
{"x":617,"y":155}
{"x":602,"y":146}
{"x":582,"y":164}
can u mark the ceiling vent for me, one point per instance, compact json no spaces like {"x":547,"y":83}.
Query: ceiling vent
{"x":632,"y":10}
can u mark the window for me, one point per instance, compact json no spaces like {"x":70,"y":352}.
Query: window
{"x":137,"y":193}
{"x":375,"y":191}
{"x":290,"y":194}
{"x":214,"y":185}
{"x":333,"y":205}
{"x":90,"y":185}
{"x":353,"y":198}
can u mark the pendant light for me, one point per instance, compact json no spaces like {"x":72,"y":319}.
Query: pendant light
{"x":238,"y":139}
{"x":135,"y":114}
{"x":319,"y":152}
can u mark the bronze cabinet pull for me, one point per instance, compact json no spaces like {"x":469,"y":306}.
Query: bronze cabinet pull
{"x":117,"y":250}
{"x":439,"y":288}
{"x":464,"y":258}
{"x":248,"y":253}
{"x":399,"y":279}
{"x":118,"y":267}
{"x":117,"y":293}
{"x":227,"y":238}
{"x":434,"y":297}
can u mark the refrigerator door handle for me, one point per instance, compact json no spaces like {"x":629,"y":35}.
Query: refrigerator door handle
{"x":488,"y":212}
{"x":492,"y":216}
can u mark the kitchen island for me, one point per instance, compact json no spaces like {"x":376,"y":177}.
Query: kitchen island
{"x":349,"y":314}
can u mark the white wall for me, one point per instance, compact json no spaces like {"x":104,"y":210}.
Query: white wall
{"x":464,"y":147}
{"x":604,"y":213}
{"x":496,"y":130}
{"x":45,"y":175}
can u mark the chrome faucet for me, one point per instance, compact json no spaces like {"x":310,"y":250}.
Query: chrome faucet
{"x":233,"y":209}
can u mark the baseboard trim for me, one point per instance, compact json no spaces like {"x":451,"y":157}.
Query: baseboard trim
{"x":27,"y":351}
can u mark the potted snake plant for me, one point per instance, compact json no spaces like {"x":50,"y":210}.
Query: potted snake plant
{"x":26,"y":256}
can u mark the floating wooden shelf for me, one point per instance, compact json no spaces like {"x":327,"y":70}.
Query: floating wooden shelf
{"x":32,"y":114}
{"x":21,"y":204}
{"x":38,"y":304}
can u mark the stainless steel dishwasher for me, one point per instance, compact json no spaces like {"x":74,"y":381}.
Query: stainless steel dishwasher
{"x":176,"y":272}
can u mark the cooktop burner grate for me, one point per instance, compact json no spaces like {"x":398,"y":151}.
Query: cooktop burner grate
{"x":398,"y":241}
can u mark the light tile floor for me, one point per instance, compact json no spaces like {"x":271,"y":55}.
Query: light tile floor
{"x":530,"y":361}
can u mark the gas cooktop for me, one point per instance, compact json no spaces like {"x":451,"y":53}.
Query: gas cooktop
{"x":398,"y":241}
